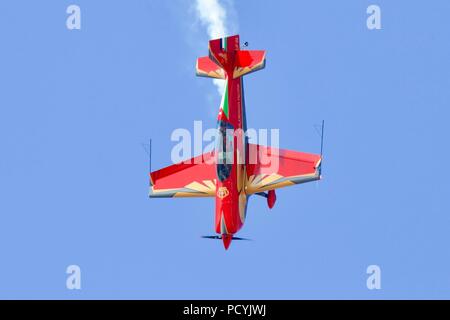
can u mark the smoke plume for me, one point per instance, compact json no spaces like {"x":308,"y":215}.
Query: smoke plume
{"x":213,"y":16}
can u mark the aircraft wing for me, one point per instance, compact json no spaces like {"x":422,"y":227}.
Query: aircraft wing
{"x":192,"y":178}
{"x":272,"y":168}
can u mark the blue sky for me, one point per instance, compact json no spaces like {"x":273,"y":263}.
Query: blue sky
{"x":77,"y":105}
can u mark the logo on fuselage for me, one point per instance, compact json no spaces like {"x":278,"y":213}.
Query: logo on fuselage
{"x":222,"y":192}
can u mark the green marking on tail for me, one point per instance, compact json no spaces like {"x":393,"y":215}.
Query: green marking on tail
{"x":224,"y":43}
{"x":224,"y":104}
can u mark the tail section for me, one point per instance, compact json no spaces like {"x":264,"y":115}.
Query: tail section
{"x":223,"y":51}
{"x":227,"y":60}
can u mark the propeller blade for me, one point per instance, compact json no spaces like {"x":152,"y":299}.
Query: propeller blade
{"x":212,"y":237}
{"x":238,"y":238}
{"x":220,"y":238}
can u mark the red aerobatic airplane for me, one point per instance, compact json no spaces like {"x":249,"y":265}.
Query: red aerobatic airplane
{"x":236,"y":169}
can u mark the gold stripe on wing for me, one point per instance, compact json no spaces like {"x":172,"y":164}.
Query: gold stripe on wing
{"x":197,"y":186}
{"x":183,"y":194}
{"x":267,"y":184}
{"x":282,"y":184}
{"x":250,"y":179}
{"x":269,"y":179}
{"x":261,"y":181}
{"x":210,"y":184}
{"x":258,"y":179}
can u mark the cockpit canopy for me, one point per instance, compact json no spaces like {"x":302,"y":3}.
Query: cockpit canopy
{"x":224,"y":150}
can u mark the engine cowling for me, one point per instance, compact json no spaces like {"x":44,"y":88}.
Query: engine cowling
{"x":271,"y":198}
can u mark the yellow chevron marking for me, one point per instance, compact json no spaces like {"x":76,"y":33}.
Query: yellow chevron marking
{"x":239,"y":71}
{"x":211,"y":185}
{"x":269,"y":179}
{"x":200,"y":187}
{"x":263,"y":185}
{"x":257,"y":179}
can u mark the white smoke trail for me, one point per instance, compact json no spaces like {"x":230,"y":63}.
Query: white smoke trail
{"x":214,"y":16}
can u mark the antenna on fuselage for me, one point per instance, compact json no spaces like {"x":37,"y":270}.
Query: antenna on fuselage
{"x":321,"y":144}
{"x":148,"y":150}
{"x":321,"y":148}
{"x":150,"y":162}
{"x":321,"y":138}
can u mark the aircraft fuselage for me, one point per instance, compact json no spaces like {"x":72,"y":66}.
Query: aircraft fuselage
{"x":231,"y":198}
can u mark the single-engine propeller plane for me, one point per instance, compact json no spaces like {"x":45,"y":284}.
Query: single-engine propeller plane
{"x":235,"y":169}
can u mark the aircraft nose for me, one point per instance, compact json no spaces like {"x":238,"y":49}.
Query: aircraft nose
{"x":227,"y":240}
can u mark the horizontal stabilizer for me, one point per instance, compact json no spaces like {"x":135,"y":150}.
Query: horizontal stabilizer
{"x":220,"y":238}
{"x":248,"y":61}
{"x":208,"y":68}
